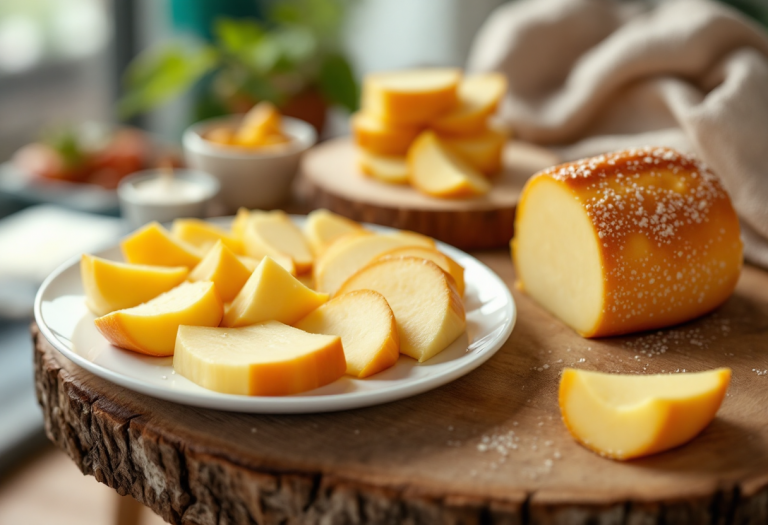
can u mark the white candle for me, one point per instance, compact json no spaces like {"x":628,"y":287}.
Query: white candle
{"x":164,"y":195}
{"x":166,"y":189}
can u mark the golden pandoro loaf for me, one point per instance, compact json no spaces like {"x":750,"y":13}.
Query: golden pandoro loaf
{"x":627,"y":241}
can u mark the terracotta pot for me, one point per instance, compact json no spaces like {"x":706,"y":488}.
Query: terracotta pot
{"x":309,"y":106}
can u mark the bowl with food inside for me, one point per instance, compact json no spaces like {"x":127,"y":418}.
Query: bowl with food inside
{"x":254,"y":156}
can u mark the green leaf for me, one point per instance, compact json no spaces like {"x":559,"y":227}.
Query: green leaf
{"x":237,"y":36}
{"x":264,"y":57}
{"x":66,"y":142}
{"x":279,"y":50}
{"x":337,"y":82}
{"x":322,"y":17}
{"x":208,"y":105}
{"x":264,"y":52}
{"x":260,"y":88}
{"x":286,"y":13}
{"x":162,"y":74}
{"x":297,"y":44}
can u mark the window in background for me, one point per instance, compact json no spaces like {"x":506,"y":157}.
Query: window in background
{"x":396,"y":34}
{"x":54,"y":66}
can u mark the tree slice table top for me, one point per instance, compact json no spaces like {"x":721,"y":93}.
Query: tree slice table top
{"x":335,"y":182}
{"x":487,"y":448}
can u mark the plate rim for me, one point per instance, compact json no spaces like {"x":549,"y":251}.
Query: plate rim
{"x":282,"y":404}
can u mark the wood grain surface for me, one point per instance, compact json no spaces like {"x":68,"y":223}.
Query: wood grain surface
{"x":487,"y":448}
{"x":332,"y":180}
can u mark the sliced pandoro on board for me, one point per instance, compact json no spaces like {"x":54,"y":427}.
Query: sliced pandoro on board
{"x":223,"y":268}
{"x":380,"y":137}
{"x":479,"y":96}
{"x":483,"y":151}
{"x":412,"y":97}
{"x":366,"y":325}
{"x":150,"y":328}
{"x":112,"y":285}
{"x":352,"y":252}
{"x":625,"y":416}
{"x":435,"y":170}
{"x":265,"y":359}
{"x":322,"y":228}
{"x":155,"y":246}
{"x":274,"y":234}
{"x":271,"y":294}
{"x":390,"y":169}
{"x":427,"y":307}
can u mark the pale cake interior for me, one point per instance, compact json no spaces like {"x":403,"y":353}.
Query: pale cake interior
{"x":557,"y":255}
{"x":628,"y":391}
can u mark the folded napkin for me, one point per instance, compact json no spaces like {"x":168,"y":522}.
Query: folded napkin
{"x":590,"y":76}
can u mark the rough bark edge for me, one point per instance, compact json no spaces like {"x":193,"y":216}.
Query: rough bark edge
{"x":183,"y":486}
{"x":467,"y":230}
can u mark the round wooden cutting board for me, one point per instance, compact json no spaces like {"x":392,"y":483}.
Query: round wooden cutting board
{"x":488,"y":448}
{"x":333,"y":181}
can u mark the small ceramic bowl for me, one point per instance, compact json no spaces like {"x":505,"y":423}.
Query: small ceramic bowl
{"x":139,"y":208}
{"x":258,"y":178}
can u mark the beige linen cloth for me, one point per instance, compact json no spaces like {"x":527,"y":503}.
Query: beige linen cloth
{"x":590,"y":76}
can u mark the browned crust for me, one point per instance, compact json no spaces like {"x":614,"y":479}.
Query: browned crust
{"x":668,"y":234}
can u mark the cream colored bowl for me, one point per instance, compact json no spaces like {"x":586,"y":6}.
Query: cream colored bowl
{"x":259,"y":178}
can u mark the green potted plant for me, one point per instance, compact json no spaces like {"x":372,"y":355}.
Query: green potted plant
{"x":292,"y":59}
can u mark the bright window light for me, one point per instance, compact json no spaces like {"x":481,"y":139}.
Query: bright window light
{"x":22,"y":43}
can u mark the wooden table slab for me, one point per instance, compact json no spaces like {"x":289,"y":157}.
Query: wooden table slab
{"x":487,"y":448}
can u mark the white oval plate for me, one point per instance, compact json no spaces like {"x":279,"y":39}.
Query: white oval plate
{"x":67,"y":324}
